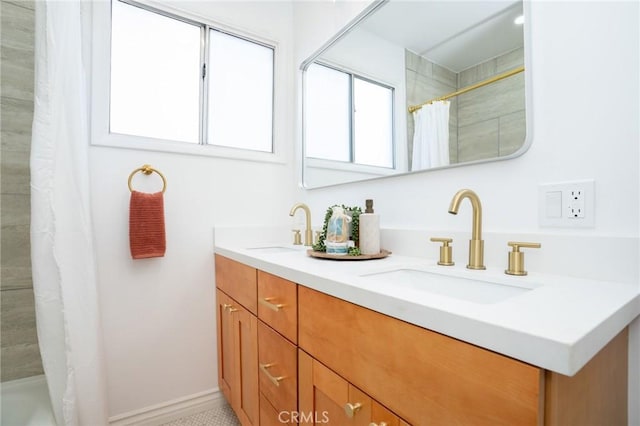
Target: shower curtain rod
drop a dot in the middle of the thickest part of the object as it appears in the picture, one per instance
(498, 77)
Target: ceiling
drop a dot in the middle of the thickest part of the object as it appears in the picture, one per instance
(454, 34)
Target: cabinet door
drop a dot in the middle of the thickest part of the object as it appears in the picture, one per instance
(324, 396)
(225, 344)
(269, 416)
(245, 395)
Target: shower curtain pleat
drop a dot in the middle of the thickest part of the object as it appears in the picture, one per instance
(64, 271)
(431, 136)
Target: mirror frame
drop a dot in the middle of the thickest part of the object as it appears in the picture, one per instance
(350, 26)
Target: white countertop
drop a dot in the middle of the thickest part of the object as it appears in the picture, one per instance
(558, 325)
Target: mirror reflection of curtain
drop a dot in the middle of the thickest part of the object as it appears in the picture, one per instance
(431, 136)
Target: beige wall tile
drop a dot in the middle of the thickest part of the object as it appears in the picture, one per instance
(15, 277)
(14, 173)
(20, 361)
(15, 209)
(17, 24)
(17, 118)
(478, 73)
(478, 141)
(20, 355)
(513, 132)
(16, 246)
(27, 4)
(511, 60)
(17, 73)
(445, 76)
(18, 318)
(492, 101)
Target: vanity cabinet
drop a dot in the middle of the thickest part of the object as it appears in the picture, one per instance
(288, 354)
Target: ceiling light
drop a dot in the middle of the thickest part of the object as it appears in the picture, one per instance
(519, 20)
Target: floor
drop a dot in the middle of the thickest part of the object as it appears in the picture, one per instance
(219, 416)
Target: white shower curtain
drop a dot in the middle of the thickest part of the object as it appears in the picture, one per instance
(431, 136)
(62, 254)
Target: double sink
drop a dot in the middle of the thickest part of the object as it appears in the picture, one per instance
(461, 285)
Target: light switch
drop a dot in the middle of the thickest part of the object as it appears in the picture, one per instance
(553, 204)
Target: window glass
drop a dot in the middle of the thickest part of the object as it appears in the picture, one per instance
(373, 144)
(155, 69)
(240, 93)
(328, 114)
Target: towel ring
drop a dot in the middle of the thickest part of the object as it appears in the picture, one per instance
(147, 170)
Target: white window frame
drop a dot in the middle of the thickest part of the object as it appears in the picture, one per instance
(101, 90)
(351, 164)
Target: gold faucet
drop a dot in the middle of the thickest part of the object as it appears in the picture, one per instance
(308, 234)
(476, 244)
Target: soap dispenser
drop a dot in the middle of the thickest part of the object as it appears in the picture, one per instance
(369, 230)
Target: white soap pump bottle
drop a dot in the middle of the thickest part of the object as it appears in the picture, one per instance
(369, 230)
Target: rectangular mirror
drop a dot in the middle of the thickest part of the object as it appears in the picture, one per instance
(413, 86)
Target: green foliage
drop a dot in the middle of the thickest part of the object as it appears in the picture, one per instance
(354, 212)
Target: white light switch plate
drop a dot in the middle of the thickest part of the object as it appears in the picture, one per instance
(567, 204)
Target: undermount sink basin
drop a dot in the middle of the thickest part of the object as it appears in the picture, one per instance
(469, 289)
(273, 249)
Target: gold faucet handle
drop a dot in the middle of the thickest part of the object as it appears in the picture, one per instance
(516, 257)
(297, 237)
(446, 251)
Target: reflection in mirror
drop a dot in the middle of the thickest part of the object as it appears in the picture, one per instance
(414, 86)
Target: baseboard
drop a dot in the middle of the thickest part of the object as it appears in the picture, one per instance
(165, 412)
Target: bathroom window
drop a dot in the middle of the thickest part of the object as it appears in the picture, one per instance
(349, 118)
(174, 79)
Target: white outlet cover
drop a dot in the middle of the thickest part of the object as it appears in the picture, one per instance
(548, 204)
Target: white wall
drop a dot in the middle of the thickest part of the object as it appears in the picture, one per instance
(585, 125)
(159, 314)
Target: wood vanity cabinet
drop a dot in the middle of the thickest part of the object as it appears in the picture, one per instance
(289, 354)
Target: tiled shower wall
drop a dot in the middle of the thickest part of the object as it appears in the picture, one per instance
(20, 355)
(485, 123)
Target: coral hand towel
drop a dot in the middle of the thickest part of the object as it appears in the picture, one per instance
(146, 225)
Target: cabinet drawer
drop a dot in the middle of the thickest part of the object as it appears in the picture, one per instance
(278, 363)
(278, 304)
(238, 281)
(423, 376)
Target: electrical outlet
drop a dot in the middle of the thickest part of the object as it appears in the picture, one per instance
(575, 203)
(567, 204)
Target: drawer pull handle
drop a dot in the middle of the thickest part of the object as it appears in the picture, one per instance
(229, 308)
(272, 379)
(351, 409)
(378, 424)
(266, 301)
